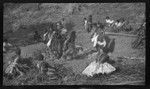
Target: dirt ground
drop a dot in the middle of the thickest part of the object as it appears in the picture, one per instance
(129, 71)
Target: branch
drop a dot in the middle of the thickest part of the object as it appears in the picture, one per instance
(128, 83)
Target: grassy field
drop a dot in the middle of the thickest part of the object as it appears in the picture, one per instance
(26, 18)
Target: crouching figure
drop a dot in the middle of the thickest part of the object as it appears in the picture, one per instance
(105, 46)
(100, 65)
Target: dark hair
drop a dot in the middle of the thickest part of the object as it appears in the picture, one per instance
(63, 19)
(117, 20)
(36, 32)
(107, 17)
(18, 51)
(5, 40)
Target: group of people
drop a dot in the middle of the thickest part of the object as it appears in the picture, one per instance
(89, 25)
(104, 47)
(60, 40)
(118, 23)
(62, 44)
(141, 36)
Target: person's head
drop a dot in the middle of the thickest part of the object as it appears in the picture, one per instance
(85, 19)
(63, 19)
(57, 23)
(5, 40)
(90, 15)
(102, 26)
(36, 32)
(73, 33)
(107, 17)
(117, 21)
(98, 24)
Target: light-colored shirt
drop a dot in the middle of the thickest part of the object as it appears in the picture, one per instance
(119, 24)
(63, 31)
(50, 39)
(95, 40)
(102, 43)
(109, 21)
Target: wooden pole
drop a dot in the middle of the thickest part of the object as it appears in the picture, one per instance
(120, 34)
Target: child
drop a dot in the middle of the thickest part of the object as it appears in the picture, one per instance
(85, 24)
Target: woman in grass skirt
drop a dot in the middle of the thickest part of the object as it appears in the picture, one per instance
(104, 46)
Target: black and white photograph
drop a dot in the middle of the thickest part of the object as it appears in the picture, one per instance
(74, 44)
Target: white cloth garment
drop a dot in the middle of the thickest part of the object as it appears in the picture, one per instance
(89, 70)
(49, 42)
(44, 36)
(85, 24)
(50, 39)
(6, 45)
(96, 68)
(109, 21)
(94, 39)
(118, 24)
(63, 31)
(102, 43)
(105, 68)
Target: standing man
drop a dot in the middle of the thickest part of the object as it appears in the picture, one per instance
(90, 23)
(63, 22)
(85, 24)
(63, 26)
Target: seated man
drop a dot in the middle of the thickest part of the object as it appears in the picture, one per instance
(109, 21)
(119, 23)
(6, 45)
(69, 45)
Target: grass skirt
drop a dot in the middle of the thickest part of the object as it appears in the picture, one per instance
(96, 68)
